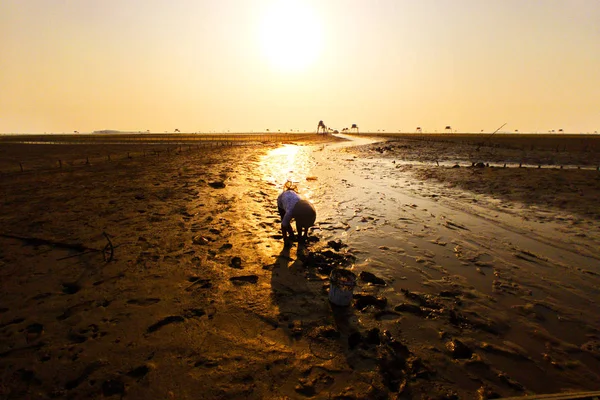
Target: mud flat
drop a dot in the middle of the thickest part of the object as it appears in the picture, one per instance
(164, 276)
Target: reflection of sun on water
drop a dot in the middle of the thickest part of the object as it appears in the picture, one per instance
(291, 35)
(284, 163)
(279, 165)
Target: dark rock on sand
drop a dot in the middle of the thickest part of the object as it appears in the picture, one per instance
(362, 301)
(373, 337)
(371, 278)
(336, 245)
(458, 349)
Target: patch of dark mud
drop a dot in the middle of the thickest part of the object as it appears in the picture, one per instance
(325, 261)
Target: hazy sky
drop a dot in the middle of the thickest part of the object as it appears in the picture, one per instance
(241, 65)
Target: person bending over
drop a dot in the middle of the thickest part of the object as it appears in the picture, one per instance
(292, 206)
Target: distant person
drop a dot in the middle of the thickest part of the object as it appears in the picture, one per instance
(292, 206)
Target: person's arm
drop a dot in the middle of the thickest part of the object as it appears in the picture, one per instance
(286, 226)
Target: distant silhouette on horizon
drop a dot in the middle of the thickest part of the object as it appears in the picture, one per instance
(322, 126)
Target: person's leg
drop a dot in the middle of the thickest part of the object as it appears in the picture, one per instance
(299, 229)
(286, 227)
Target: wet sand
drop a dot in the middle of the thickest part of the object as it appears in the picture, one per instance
(488, 289)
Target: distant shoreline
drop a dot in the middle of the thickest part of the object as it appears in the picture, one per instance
(377, 134)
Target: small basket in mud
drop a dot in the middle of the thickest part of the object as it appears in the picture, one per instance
(342, 283)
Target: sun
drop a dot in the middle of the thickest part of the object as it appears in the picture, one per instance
(291, 35)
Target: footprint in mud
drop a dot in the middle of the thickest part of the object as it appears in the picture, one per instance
(75, 309)
(33, 332)
(70, 288)
(110, 279)
(165, 321)
(139, 372)
(143, 302)
(87, 371)
(12, 322)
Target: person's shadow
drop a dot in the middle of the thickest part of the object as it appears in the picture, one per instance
(300, 292)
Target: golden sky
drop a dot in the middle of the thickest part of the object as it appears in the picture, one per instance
(251, 65)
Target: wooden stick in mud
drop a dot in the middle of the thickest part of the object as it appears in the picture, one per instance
(109, 250)
(493, 133)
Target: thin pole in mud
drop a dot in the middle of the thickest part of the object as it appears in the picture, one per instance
(488, 138)
(21, 165)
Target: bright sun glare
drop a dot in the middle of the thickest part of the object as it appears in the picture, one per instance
(291, 35)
